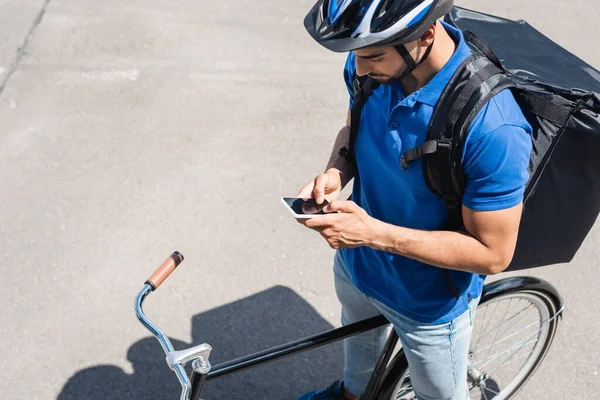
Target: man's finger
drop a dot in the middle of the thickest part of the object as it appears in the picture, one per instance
(306, 192)
(321, 182)
(341, 206)
(318, 223)
(301, 221)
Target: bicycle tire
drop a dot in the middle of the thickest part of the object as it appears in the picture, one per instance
(396, 384)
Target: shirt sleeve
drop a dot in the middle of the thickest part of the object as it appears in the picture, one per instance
(496, 171)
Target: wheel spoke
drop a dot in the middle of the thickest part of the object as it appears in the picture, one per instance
(481, 329)
(519, 346)
(514, 321)
(496, 336)
(486, 325)
(484, 395)
(513, 336)
(509, 362)
(403, 391)
(512, 317)
(517, 332)
(486, 389)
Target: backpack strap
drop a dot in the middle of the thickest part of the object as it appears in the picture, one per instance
(476, 81)
(438, 140)
(544, 108)
(488, 89)
(483, 47)
(363, 87)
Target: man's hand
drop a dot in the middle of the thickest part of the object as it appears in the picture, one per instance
(345, 226)
(325, 186)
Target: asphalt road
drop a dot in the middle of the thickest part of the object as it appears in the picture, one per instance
(132, 129)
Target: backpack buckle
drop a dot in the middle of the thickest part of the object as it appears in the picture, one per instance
(444, 145)
(345, 154)
(403, 163)
(356, 86)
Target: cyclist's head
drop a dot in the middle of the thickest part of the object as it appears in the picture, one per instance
(346, 25)
(366, 26)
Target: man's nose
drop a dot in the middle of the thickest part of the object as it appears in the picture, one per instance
(362, 67)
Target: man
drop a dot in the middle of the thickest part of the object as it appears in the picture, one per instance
(393, 249)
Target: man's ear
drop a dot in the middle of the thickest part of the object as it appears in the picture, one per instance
(428, 36)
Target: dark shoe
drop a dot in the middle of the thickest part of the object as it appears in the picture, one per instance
(333, 392)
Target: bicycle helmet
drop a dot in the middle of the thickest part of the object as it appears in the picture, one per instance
(345, 25)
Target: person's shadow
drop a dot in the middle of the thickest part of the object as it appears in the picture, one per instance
(270, 318)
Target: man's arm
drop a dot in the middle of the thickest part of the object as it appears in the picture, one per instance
(338, 163)
(338, 173)
(495, 164)
(492, 208)
(487, 247)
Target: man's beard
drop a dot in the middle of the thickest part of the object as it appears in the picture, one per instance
(387, 79)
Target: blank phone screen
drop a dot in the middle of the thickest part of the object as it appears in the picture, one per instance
(305, 206)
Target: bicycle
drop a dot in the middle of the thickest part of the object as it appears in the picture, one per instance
(538, 305)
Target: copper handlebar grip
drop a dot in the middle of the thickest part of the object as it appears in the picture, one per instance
(163, 272)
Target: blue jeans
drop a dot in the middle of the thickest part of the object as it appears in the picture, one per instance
(437, 354)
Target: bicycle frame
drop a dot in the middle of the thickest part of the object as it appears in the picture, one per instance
(202, 371)
(199, 355)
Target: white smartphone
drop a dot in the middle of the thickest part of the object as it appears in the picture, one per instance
(303, 208)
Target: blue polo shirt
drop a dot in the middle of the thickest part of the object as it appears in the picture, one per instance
(495, 160)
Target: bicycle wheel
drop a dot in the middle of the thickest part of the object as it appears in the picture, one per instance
(511, 335)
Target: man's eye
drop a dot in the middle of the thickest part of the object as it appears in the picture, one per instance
(376, 60)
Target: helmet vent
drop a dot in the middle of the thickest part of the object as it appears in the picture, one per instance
(352, 16)
(394, 10)
(382, 9)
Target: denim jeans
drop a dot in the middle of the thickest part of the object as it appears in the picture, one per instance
(437, 354)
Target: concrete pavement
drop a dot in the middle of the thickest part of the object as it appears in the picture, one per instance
(131, 129)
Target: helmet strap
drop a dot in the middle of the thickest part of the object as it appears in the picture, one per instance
(411, 65)
(410, 62)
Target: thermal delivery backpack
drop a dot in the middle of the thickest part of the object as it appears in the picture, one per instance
(558, 94)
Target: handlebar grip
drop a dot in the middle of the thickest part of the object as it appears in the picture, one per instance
(163, 272)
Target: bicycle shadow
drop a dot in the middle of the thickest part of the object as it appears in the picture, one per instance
(269, 318)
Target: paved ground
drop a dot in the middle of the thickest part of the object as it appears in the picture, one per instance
(131, 129)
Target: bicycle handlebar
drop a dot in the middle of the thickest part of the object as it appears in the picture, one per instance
(163, 272)
(175, 359)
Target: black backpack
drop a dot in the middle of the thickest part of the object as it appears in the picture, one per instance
(562, 197)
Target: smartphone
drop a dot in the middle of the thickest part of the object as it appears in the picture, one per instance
(304, 208)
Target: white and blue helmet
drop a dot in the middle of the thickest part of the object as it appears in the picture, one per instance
(346, 25)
